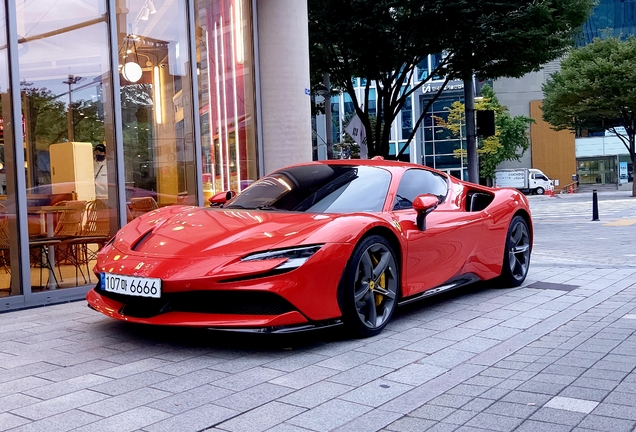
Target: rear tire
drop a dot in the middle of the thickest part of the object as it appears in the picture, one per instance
(517, 251)
(370, 287)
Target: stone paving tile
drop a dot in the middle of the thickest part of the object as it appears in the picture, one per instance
(65, 387)
(194, 398)
(360, 375)
(9, 421)
(15, 401)
(494, 422)
(558, 416)
(370, 422)
(397, 359)
(316, 394)
(179, 366)
(190, 380)
(432, 412)
(59, 404)
(128, 421)
(537, 426)
(384, 346)
(608, 424)
(429, 345)
(346, 361)
(447, 358)
(616, 397)
(303, 377)
(585, 393)
(412, 424)
(415, 374)
(330, 415)
(124, 402)
(69, 420)
(376, 392)
(194, 420)
(32, 369)
(248, 378)
(253, 397)
(130, 383)
(295, 362)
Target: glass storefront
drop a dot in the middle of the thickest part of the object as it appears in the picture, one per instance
(226, 94)
(598, 170)
(126, 106)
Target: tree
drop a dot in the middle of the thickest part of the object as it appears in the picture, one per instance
(511, 133)
(384, 41)
(595, 90)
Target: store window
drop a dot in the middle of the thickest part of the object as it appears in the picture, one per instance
(9, 282)
(156, 96)
(68, 145)
(225, 65)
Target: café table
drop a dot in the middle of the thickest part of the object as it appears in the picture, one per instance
(47, 229)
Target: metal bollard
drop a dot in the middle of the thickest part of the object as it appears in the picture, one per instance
(595, 205)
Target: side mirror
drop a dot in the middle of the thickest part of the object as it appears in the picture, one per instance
(423, 205)
(221, 198)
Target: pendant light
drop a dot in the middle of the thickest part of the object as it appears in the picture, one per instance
(131, 71)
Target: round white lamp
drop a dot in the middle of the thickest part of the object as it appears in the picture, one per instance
(131, 72)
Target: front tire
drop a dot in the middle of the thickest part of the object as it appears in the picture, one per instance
(370, 287)
(539, 191)
(516, 254)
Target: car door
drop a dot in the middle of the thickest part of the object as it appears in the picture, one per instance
(438, 253)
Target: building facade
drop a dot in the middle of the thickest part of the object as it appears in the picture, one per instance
(112, 108)
(433, 144)
(597, 157)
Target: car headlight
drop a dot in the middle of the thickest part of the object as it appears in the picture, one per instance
(296, 256)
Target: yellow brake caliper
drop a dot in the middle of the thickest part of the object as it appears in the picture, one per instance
(381, 282)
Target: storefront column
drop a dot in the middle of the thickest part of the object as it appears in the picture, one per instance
(283, 34)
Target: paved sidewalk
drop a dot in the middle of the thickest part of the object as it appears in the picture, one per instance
(557, 354)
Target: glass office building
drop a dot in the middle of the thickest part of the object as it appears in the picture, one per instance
(111, 109)
(615, 18)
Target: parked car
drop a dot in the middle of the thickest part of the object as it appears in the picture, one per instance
(314, 245)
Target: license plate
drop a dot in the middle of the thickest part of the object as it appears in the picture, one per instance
(131, 285)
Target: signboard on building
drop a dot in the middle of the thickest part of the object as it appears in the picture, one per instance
(622, 172)
(451, 86)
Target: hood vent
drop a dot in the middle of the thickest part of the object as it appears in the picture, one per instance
(139, 241)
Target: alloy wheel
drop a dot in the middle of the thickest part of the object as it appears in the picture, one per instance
(375, 286)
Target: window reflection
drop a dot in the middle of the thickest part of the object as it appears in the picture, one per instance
(226, 94)
(64, 76)
(156, 95)
(8, 226)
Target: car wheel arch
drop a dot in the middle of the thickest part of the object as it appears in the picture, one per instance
(526, 216)
(395, 244)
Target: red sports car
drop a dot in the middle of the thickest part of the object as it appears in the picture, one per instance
(312, 245)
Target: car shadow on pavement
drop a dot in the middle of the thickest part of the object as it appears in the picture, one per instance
(188, 338)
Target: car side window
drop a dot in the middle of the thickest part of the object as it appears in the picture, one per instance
(416, 182)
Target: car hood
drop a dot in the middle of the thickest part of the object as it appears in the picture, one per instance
(199, 232)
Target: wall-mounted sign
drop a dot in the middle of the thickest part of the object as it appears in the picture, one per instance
(451, 86)
(622, 172)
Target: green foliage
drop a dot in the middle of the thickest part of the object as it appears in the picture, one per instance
(496, 39)
(511, 133)
(596, 90)
(384, 40)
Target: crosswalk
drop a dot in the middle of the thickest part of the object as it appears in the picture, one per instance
(581, 210)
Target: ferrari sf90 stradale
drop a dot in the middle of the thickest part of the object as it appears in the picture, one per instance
(313, 245)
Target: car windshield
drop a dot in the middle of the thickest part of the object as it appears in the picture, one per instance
(318, 189)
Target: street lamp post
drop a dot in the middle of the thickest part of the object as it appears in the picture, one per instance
(72, 79)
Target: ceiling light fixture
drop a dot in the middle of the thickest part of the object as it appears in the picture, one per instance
(151, 7)
(131, 71)
(145, 13)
